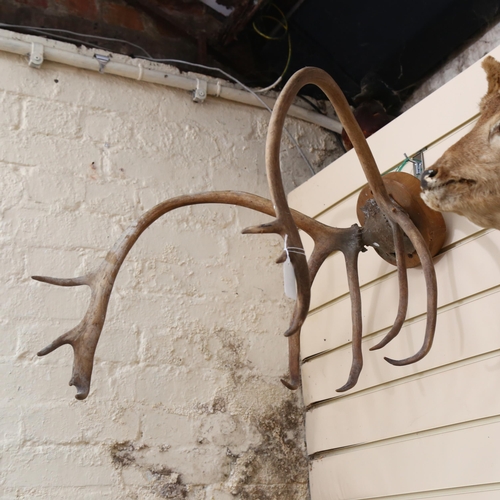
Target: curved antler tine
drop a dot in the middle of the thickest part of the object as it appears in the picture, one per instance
(83, 360)
(351, 259)
(283, 213)
(268, 227)
(85, 336)
(388, 207)
(326, 240)
(403, 288)
(81, 280)
(431, 286)
(293, 362)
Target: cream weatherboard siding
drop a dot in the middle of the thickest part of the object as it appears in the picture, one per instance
(428, 430)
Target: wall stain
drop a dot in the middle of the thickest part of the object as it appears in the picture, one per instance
(167, 483)
(277, 468)
(122, 454)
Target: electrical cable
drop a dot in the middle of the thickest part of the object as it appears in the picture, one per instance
(54, 32)
(174, 61)
(248, 89)
(284, 24)
(312, 104)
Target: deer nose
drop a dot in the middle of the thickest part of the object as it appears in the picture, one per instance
(427, 174)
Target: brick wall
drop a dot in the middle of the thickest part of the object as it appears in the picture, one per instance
(108, 18)
(186, 400)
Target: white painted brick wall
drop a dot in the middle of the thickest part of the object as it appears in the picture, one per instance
(186, 400)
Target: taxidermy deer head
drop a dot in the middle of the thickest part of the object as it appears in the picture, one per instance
(382, 213)
(466, 179)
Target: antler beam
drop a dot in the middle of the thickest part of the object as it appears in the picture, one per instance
(85, 336)
(350, 241)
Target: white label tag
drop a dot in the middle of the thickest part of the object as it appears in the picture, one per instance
(289, 279)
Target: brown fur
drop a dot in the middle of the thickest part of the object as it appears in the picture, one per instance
(466, 179)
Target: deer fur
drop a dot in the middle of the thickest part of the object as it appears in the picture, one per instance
(466, 179)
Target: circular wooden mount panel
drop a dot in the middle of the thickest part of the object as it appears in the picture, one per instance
(405, 190)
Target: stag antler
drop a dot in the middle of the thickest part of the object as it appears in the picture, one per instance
(394, 213)
(350, 241)
(84, 337)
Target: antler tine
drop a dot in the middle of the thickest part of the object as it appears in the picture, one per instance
(293, 362)
(393, 211)
(326, 240)
(349, 242)
(351, 259)
(85, 336)
(403, 288)
(81, 280)
(431, 287)
(284, 223)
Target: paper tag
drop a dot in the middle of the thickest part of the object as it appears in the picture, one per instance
(289, 279)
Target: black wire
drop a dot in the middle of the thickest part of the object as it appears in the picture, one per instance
(53, 32)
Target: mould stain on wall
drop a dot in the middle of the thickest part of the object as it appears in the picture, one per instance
(274, 467)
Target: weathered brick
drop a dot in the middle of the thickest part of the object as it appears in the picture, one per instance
(64, 119)
(63, 191)
(177, 386)
(202, 464)
(99, 198)
(60, 155)
(10, 106)
(13, 186)
(43, 4)
(49, 424)
(36, 381)
(45, 301)
(46, 261)
(33, 336)
(167, 430)
(60, 493)
(120, 342)
(122, 15)
(86, 9)
(134, 476)
(63, 230)
(74, 421)
(109, 128)
(44, 466)
(10, 425)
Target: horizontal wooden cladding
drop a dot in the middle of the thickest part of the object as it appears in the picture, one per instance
(470, 493)
(464, 332)
(408, 134)
(431, 401)
(470, 268)
(460, 457)
(331, 281)
(427, 430)
(480, 492)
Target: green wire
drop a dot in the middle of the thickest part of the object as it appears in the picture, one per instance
(284, 24)
(399, 167)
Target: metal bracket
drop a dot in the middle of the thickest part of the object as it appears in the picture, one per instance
(36, 55)
(418, 164)
(102, 60)
(200, 93)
